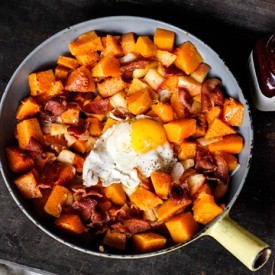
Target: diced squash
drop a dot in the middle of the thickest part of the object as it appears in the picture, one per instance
(109, 123)
(80, 80)
(61, 73)
(165, 57)
(201, 126)
(70, 224)
(96, 126)
(80, 146)
(27, 108)
(201, 72)
(87, 36)
(71, 115)
(164, 111)
(136, 85)
(205, 189)
(111, 86)
(188, 58)
(233, 112)
(128, 43)
(218, 128)
(144, 199)
(187, 150)
(68, 62)
(146, 47)
(154, 79)
(171, 83)
(232, 144)
(26, 129)
(27, 185)
(66, 173)
(139, 102)
(231, 160)
(88, 59)
(170, 208)
(148, 242)
(115, 239)
(180, 129)
(213, 113)
(112, 46)
(56, 199)
(190, 84)
(182, 227)
(17, 160)
(107, 66)
(115, 193)
(161, 182)
(205, 209)
(78, 161)
(197, 98)
(195, 108)
(180, 110)
(164, 39)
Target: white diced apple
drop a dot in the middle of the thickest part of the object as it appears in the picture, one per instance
(139, 73)
(69, 138)
(165, 57)
(195, 182)
(190, 84)
(188, 163)
(129, 57)
(66, 156)
(196, 108)
(90, 143)
(58, 129)
(154, 79)
(201, 72)
(119, 100)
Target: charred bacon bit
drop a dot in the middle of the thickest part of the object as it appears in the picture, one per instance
(50, 140)
(96, 107)
(34, 149)
(222, 169)
(179, 193)
(56, 106)
(133, 65)
(85, 192)
(144, 182)
(99, 217)
(171, 71)
(79, 131)
(45, 116)
(205, 162)
(185, 98)
(118, 215)
(131, 226)
(211, 94)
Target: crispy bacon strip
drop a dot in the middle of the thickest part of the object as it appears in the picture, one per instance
(34, 149)
(133, 65)
(96, 107)
(205, 162)
(56, 106)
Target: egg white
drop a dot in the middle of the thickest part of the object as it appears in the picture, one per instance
(113, 160)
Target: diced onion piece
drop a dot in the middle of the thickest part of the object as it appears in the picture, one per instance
(128, 58)
(187, 163)
(70, 139)
(165, 95)
(206, 141)
(66, 156)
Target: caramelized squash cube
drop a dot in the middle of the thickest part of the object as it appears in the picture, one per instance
(88, 59)
(115, 193)
(145, 199)
(187, 150)
(232, 144)
(164, 39)
(68, 62)
(233, 112)
(182, 227)
(96, 126)
(188, 57)
(17, 160)
(146, 47)
(180, 129)
(26, 129)
(231, 160)
(61, 73)
(148, 242)
(70, 224)
(218, 128)
(180, 110)
(162, 183)
(164, 111)
(115, 239)
(27, 108)
(113, 46)
(56, 199)
(71, 115)
(27, 185)
(111, 86)
(215, 112)
(128, 43)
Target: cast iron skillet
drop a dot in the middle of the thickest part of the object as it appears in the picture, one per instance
(247, 248)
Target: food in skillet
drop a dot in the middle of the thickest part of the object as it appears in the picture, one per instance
(127, 141)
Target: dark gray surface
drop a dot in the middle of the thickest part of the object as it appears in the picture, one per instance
(231, 29)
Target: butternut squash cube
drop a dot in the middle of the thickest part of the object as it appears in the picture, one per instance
(187, 150)
(233, 112)
(56, 199)
(144, 199)
(180, 129)
(68, 62)
(26, 129)
(161, 182)
(113, 46)
(17, 160)
(27, 108)
(170, 208)
(146, 47)
(107, 66)
(179, 109)
(115, 193)
(80, 80)
(205, 209)
(88, 59)
(115, 239)
(171, 83)
(70, 224)
(128, 43)
(71, 115)
(148, 242)
(231, 160)
(216, 111)
(139, 102)
(232, 144)
(190, 84)
(96, 126)
(111, 86)
(164, 111)
(218, 128)
(182, 227)
(61, 73)
(87, 36)
(27, 185)
(164, 39)
(136, 85)
(188, 58)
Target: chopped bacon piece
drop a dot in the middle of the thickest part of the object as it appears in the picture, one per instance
(179, 193)
(118, 215)
(96, 107)
(56, 106)
(99, 217)
(34, 149)
(85, 192)
(54, 140)
(79, 131)
(133, 65)
(185, 98)
(46, 116)
(205, 162)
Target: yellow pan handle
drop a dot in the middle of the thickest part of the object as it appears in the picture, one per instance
(250, 250)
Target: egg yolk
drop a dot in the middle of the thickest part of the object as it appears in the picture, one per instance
(147, 134)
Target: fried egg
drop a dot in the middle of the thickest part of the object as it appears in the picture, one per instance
(125, 147)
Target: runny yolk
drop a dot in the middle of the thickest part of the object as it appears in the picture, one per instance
(147, 134)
